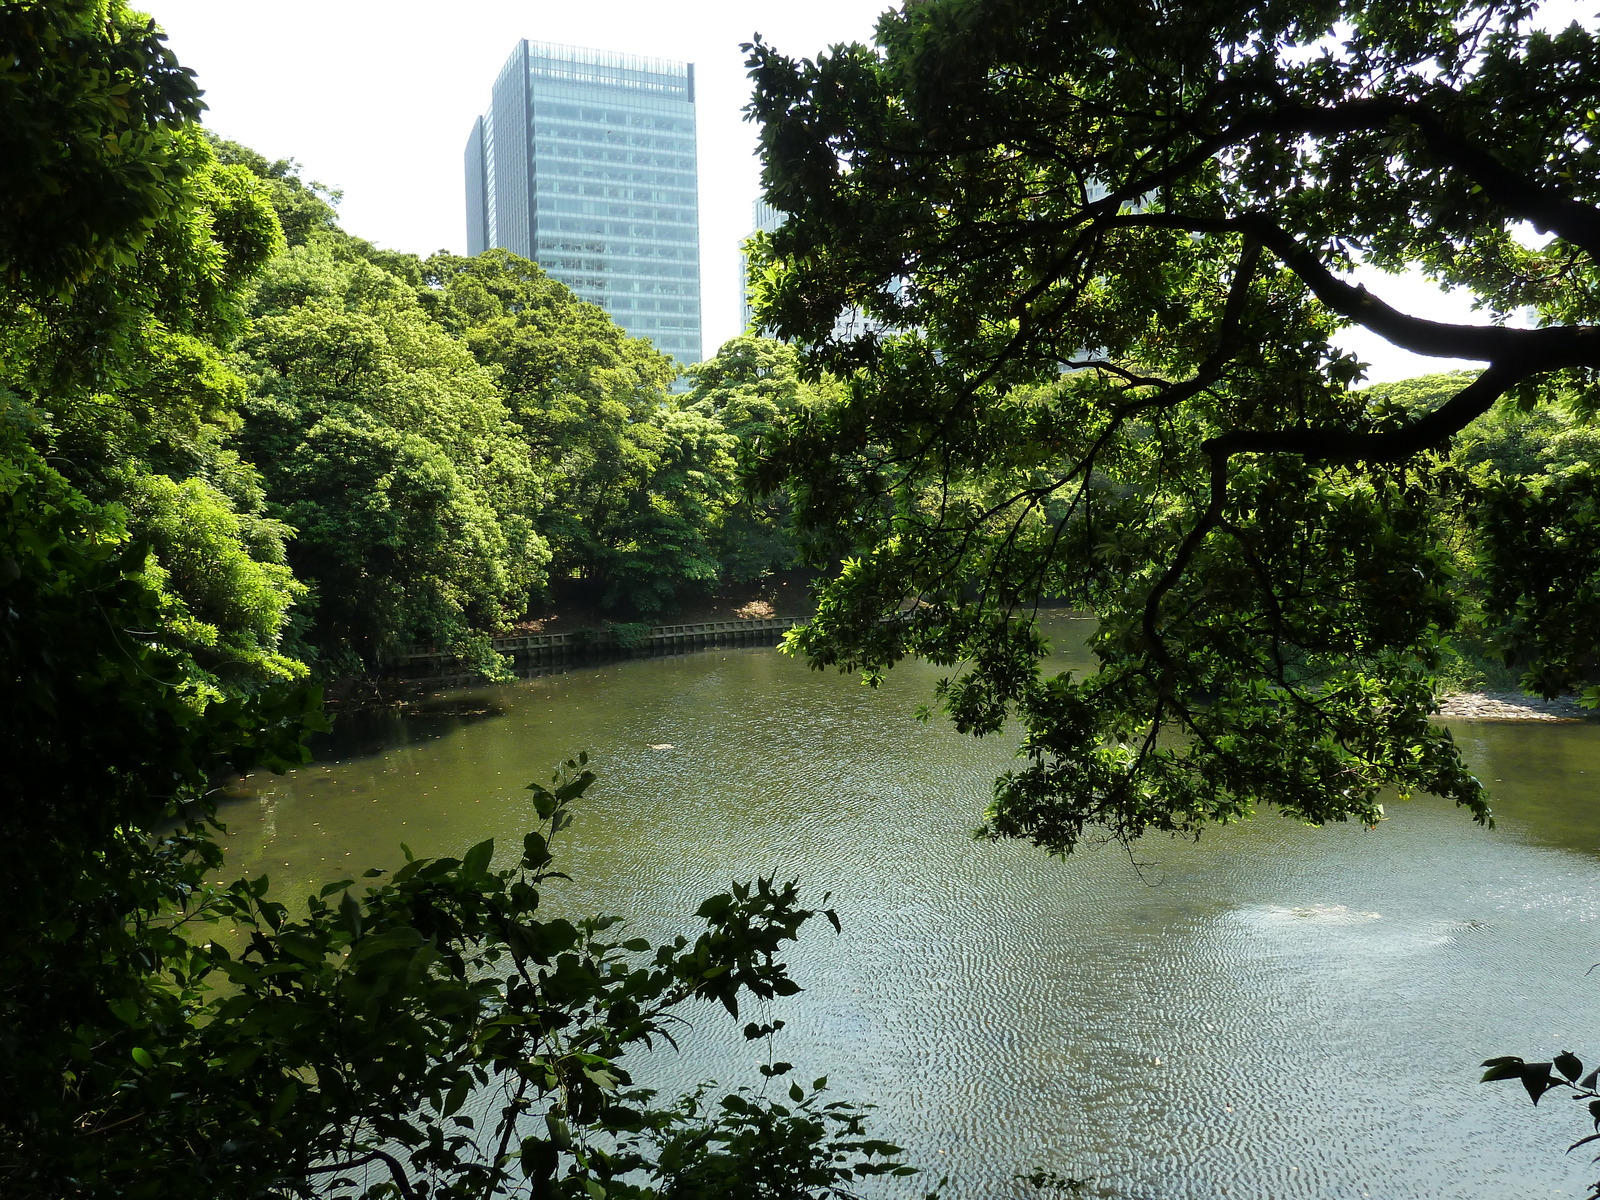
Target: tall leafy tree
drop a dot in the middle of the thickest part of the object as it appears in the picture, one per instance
(390, 451)
(563, 363)
(1110, 244)
(635, 481)
(752, 386)
(139, 615)
(125, 247)
(659, 541)
(304, 207)
(1105, 247)
(587, 397)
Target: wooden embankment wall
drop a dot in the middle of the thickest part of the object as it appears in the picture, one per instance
(534, 648)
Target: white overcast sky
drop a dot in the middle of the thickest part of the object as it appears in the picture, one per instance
(376, 98)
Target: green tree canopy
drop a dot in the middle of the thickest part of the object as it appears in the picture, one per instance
(303, 207)
(588, 398)
(563, 363)
(1106, 247)
(752, 386)
(128, 357)
(127, 246)
(390, 451)
(93, 100)
(139, 1056)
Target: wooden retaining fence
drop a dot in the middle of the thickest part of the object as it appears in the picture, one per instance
(614, 643)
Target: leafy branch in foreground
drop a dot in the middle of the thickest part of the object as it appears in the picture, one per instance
(442, 1020)
(433, 1034)
(1563, 1073)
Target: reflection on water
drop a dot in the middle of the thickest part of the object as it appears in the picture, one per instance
(1275, 1011)
(1321, 914)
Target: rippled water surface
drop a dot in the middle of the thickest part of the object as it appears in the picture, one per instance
(1273, 1012)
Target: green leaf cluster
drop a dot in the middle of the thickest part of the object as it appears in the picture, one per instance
(112, 734)
(93, 99)
(391, 453)
(127, 251)
(437, 1025)
(165, 1034)
(1102, 253)
(1565, 1074)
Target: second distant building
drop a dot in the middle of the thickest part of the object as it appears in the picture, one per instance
(585, 163)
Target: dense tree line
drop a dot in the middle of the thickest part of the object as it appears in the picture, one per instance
(237, 446)
(1525, 471)
(333, 451)
(446, 436)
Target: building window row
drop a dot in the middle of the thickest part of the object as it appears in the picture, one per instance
(628, 304)
(558, 156)
(550, 93)
(618, 229)
(625, 290)
(644, 81)
(613, 137)
(628, 259)
(688, 326)
(616, 118)
(684, 281)
(634, 195)
(626, 212)
(622, 285)
(573, 169)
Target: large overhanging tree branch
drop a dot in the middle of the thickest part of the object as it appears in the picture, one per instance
(1105, 248)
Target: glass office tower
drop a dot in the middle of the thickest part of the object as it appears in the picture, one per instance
(585, 163)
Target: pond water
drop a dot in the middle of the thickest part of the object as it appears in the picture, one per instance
(1274, 1011)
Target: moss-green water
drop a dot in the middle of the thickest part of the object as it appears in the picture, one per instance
(1274, 1012)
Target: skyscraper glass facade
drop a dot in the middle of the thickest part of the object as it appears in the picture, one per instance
(585, 163)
